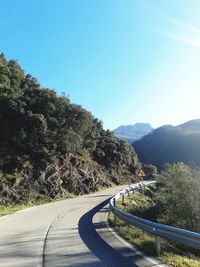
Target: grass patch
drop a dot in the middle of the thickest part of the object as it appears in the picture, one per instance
(179, 261)
(138, 204)
(9, 209)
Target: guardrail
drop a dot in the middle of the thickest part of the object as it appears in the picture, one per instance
(185, 237)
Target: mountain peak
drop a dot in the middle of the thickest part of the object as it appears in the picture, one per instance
(131, 133)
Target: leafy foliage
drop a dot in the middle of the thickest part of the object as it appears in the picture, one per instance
(178, 197)
(42, 133)
(174, 202)
(150, 170)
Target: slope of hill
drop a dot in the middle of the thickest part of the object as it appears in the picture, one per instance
(169, 144)
(50, 147)
(131, 133)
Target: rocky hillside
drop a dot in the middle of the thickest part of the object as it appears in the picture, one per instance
(131, 133)
(169, 144)
(50, 147)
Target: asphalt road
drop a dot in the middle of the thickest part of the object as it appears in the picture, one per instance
(66, 233)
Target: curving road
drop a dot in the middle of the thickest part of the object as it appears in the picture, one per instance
(66, 233)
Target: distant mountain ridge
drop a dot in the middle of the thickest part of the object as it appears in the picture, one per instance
(131, 133)
(169, 144)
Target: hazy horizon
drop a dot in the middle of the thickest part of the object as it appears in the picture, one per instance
(157, 125)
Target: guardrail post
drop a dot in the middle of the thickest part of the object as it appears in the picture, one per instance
(123, 198)
(142, 187)
(158, 245)
(114, 204)
(128, 193)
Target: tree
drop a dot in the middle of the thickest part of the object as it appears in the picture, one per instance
(4, 73)
(150, 170)
(49, 143)
(178, 197)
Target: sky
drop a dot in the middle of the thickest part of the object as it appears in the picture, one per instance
(126, 61)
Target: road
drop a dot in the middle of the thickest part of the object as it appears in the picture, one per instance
(65, 233)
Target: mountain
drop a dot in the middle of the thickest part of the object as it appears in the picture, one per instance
(131, 133)
(169, 144)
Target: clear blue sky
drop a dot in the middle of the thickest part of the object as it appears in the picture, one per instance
(126, 61)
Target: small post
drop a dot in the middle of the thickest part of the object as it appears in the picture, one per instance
(114, 204)
(143, 188)
(158, 245)
(142, 184)
(123, 198)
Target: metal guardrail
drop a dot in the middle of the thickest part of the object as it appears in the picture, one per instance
(185, 237)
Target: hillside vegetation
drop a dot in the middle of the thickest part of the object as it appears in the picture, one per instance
(170, 144)
(177, 197)
(50, 147)
(174, 202)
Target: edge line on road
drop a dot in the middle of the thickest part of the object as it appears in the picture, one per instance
(129, 245)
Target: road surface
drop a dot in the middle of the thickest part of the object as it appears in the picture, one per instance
(66, 233)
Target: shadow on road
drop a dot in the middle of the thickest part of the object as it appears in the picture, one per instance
(108, 256)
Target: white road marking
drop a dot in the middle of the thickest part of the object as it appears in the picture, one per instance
(133, 248)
